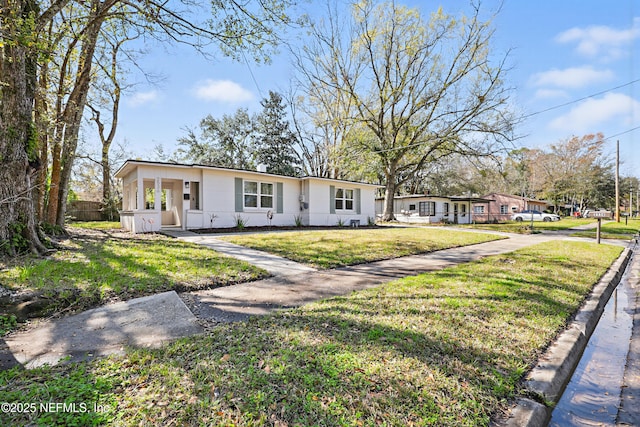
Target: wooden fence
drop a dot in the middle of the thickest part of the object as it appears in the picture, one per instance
(85, 210)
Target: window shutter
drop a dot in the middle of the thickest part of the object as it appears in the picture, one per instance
(332, 199)
(239, 195)
(357, 200)
(279, 198)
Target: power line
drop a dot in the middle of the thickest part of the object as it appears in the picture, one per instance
(579, 99)
(622, 133)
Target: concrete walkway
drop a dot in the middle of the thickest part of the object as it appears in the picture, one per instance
(153, 320)
(274, 264)
(254, 298)
(144, 322)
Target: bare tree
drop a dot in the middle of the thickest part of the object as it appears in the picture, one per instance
(416, 90)
(30, 36)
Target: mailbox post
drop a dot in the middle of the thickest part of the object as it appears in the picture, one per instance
(599, 215)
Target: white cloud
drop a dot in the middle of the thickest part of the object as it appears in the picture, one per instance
(142, 98)
(551, 94)
(222, 91)
(592, 113)
(602, 41)
(574, 77)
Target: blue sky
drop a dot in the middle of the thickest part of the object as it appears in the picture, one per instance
(561, 51)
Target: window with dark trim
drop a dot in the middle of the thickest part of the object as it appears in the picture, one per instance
(427, 208)
(258, 194)
(344, 199)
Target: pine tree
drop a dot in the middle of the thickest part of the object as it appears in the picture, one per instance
(275, 141)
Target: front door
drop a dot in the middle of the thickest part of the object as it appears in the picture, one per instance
(455, 213)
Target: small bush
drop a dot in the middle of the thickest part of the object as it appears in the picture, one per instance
(241, 222)
(7, 323)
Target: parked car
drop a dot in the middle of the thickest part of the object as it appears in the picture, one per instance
(537, 216)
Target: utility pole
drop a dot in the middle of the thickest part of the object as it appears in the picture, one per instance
(617, 211)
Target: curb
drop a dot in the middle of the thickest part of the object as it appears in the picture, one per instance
(548, 379)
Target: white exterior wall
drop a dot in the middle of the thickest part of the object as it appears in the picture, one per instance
(221, 203)
(219, 200)
(404, 213)
(319, 199)
(135, 217)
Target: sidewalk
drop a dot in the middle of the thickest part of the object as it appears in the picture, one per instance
(274, 264)
(151, 321)
(238, 302)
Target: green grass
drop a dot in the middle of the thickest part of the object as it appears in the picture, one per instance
(443, 348)
(96, 268)
(525, 226)
(96, 225)
(614, 230)
(336, 248)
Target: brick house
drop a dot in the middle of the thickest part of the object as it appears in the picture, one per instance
(502, 206)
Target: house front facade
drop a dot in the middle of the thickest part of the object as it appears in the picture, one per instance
(502, 206)
(426, 209)
(159, 195)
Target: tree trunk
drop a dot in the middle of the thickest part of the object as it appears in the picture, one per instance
(389, 196)
(72, 116)
(18, 146)
(42, 119)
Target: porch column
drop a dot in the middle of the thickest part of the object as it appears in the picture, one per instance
(140, 193)
(157, 200)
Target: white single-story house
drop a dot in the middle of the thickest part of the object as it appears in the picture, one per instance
(428, 209)
(158, 195)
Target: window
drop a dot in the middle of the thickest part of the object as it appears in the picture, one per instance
(478, 209)
(412, 207)
(344, 199)
(446, 209)
(427, 208)
(258, 195)
(195, 195)
(504, 209)
(463, 210)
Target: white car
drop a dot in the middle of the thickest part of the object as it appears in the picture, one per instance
(537, 216)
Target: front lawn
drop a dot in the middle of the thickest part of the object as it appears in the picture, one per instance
(97, 267)
(524, 227)
(614, 230)
(336, 248)
(96, 225)
(443, 348)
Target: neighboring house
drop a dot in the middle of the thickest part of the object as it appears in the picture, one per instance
(161, 195)
(421, 208)
(502, 206)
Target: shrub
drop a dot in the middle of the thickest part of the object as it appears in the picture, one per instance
(241, 222)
